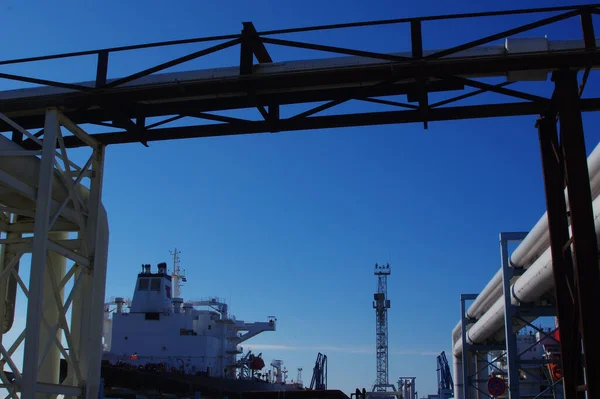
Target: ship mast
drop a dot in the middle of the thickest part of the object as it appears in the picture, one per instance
(177, 276)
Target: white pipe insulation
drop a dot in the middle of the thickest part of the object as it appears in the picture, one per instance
(530, 249)
(534, 283)
(534, 255)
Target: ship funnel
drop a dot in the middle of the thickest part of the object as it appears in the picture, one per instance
(162, 268)
(187, 308)
(147, 269)
(120, 302)
(177, 304)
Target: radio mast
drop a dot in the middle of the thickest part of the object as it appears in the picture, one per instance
(177, 277)
(381, 304)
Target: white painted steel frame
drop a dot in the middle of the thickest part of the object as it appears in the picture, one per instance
(79, 211)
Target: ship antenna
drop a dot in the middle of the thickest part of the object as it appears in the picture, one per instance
(177, 276)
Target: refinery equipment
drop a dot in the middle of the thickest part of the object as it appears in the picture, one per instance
(407, 387)
(381, 305)
(299, 383)
(531, 291)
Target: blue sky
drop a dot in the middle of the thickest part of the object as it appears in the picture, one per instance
(291, 224)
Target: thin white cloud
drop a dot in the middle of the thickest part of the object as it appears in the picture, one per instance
(341, 349)
(414, 352)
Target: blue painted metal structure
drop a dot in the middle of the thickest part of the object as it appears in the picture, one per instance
(445, 381)
(319, 378)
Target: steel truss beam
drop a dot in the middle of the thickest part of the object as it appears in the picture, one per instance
(52, 207)
(108, 102)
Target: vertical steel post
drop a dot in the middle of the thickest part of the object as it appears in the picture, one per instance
(102, 69)
(246, 50)
(482, 368)
(93, 234)
(48, 371)
(585, 248)
(512, 352)
(8, 286)
(38, 256)
(562, 262)
(465, 344)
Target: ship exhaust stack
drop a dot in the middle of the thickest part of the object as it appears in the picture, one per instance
(162, 268)
(177, 305)
(187, 308)
(120, 302)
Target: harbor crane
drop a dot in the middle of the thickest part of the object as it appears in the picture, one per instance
(319, 378)
(445, 382)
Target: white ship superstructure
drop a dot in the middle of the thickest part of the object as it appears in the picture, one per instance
(196, 338)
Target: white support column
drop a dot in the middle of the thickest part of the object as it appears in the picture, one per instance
(8, 286)
(97, 243)
(482, 375)
(457, 365)
(38, 257)
(50, 194)
(55, 271)
(80, 324)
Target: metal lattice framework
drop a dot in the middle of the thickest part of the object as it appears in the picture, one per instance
(124, 110)
(381, 304)
(33, 222)
(417, 74)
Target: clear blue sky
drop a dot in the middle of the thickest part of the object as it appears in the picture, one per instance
(291, 224)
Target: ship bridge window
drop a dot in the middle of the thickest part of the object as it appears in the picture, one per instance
(155, 284)
(143, 284)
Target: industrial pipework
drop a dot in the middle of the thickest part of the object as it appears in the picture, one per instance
(532, 255)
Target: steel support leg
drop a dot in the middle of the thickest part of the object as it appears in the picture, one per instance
(95, 233)
(585, 248)
(8, 286)
(38, 257)
(482, 375)
(466, 370)
(56, 213)
(512, 352)
(562, 262)
(55, 271)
